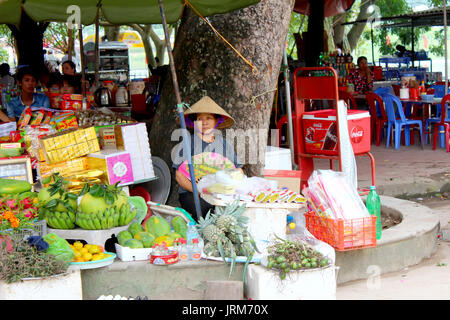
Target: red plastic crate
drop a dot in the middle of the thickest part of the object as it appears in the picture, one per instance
(343, 235)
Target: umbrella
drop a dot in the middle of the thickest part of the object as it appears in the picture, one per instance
(131, 11)
(332, 7)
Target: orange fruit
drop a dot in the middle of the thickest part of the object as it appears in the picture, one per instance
(79, 259)
(87, 256)
(83, 250)
(94, 249)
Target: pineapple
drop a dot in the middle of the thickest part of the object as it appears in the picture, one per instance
(210, 249)
(212, 233)
(230, 217)
(208, 230)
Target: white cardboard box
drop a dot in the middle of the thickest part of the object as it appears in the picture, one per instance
(315, 284)
(278, 158)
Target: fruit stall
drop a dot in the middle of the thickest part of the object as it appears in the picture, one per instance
(66, 198)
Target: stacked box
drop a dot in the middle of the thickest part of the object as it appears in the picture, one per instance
(133, 138)
(65, 168)
(116, 165)
(69, 145)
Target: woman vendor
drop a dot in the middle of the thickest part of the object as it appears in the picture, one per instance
(210, 151)
(27, 80)
(362, 78)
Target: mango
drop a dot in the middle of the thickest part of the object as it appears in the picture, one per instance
(146, 238)
(123, 236)
(134, 244)
(158, 226)
(135, 228)
(166, 239)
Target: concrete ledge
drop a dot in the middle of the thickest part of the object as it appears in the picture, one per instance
(140, 278)
(403, 245)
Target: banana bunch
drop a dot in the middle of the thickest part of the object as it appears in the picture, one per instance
(60, 220)
(110, 218)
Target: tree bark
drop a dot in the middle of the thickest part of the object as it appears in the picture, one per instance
(29, 36)
(357, 29)
(112, 33)
(206, 65)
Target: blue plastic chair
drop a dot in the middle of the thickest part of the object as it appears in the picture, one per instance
(431, 120)
(397, 123)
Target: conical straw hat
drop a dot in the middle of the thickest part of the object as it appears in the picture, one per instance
(207, 105)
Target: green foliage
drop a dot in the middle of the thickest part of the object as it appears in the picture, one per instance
(26, 262)
(298, 24)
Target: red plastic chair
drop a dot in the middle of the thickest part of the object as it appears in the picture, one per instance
(444, 121)
(378, 123)
(396, 88)
(348, 99)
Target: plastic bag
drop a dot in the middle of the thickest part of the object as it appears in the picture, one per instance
(59, 247)
(329, 194)
(141, 206)
(303, 235)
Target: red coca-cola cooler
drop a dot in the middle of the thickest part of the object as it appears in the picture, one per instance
(320, 131)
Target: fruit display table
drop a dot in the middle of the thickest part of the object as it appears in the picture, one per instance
(90, 236)
(265, 219)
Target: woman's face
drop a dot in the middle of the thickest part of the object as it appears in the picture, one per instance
(205, 122)
(67, 69)
(28, 83)
(362, 64)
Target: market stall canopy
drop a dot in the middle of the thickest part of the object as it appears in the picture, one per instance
(114, 11)
(332, 7)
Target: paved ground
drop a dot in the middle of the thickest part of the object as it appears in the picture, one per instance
(429, 280)
(408, 170)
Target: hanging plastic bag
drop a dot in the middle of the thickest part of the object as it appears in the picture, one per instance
(59, 247)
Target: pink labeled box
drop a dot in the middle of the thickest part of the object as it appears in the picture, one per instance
(116, 165)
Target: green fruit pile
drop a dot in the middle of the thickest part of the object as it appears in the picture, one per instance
(110, 218)
(103, 207)
(156, 230)
(56, 205)
(60, 220)
(287, 255)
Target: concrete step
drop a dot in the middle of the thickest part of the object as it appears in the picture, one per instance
(445, 230)
(180, 281)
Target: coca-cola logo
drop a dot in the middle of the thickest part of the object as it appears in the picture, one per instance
(357, 134)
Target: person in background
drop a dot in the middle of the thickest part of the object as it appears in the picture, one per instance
(5, 77)
(68, 68)
(362, 77)
(26, 80)
(70, 85)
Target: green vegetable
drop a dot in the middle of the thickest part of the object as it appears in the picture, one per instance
(13, 186)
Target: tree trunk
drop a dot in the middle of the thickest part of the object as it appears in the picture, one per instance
(357, 29)
(315, 35)
(206, 65)
(29, 37)
(112, 33)
(339, 30)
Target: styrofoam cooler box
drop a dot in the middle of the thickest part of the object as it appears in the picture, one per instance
(320, 131)
(129, 254)
(314, 284)
(278, 158)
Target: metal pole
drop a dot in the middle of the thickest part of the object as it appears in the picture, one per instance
(445, 46)
(97, 31)
(371, 40)
(83, 71)
(180, 112)
(288, 104)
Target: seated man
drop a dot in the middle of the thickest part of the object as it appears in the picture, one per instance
(26, 80)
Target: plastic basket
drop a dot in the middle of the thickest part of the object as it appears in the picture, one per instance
(341, 234)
